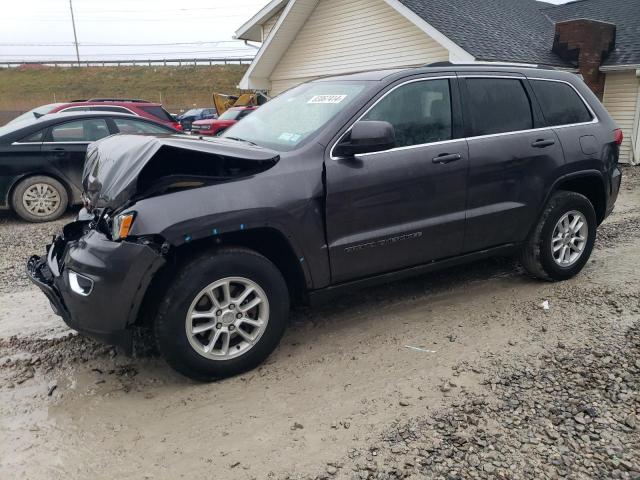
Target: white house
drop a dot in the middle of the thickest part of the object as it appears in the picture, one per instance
(306, 39)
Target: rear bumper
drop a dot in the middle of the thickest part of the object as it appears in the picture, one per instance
(118, 273)
(616, 180)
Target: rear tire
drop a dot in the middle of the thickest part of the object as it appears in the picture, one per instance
(207, 297)
(39, 199)
(563, 239)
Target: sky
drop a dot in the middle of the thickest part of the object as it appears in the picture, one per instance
(32, 30)
(123, 29)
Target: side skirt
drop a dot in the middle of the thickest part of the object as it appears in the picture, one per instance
(324, 295)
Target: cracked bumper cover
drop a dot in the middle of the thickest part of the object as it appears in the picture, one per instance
(120, 273)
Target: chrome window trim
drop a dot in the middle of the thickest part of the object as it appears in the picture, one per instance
(51, 143)
(89, 107)
(415, 80)
(408, 147)
(397, 149)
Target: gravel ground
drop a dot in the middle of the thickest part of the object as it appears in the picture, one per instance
(456, 375)
(568, 413)
(18, 241)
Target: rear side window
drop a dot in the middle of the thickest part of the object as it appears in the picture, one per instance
(158, 112)
(420, 112)
(131, 126)
(560, 103)
(75, 109)
(498, 105)
(34, 137)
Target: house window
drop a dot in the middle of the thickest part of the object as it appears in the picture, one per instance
(560, 103)
(420, 112)
(498, 105)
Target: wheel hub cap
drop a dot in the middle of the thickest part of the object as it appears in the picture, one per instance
(41, 199)
(227, 318)
(569, 238)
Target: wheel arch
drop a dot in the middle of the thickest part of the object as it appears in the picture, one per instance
(267, 241)
(19, 179)
(590, 184)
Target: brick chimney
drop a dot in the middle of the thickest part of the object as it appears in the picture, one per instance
(586, 43)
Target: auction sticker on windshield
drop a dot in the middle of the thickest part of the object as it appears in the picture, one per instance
(327, 99)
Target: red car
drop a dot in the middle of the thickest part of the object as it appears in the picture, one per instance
(141, 108)
(214, 127)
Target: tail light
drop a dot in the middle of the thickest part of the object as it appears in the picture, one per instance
(177, 126)
(618, 136)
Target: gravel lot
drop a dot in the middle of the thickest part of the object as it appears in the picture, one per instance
(459, 375)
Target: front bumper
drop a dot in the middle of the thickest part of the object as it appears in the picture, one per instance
(119, 274)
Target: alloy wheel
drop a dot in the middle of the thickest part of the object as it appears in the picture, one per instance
(569, 238)
(227, 318)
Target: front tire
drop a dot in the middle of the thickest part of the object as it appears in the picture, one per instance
(563, 239)
(39, 199)
(223, 314)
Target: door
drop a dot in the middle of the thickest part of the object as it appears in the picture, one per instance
(511, 157)
(66, 146)
(405, 206)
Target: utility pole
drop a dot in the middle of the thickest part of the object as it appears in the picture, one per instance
(75, 35)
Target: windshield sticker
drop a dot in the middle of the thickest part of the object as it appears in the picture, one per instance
(290, 137)
(327, 99)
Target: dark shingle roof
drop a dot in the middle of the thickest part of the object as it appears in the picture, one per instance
(625, 14)
(497, 30)
(523, 30)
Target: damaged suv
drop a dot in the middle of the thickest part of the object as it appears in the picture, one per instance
(336, 184)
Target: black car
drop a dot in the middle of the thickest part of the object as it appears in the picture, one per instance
(41, 160)
(337, 184)
(195, 114)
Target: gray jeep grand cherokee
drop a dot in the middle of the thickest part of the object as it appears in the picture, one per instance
(335, 184)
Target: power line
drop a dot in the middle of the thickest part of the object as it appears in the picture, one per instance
(60, 17)
(94, 44)
(136, 53)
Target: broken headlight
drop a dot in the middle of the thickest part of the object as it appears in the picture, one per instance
(121, 225)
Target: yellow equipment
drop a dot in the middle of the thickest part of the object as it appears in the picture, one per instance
(225, 102)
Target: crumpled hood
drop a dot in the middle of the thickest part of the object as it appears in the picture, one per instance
(121, 167)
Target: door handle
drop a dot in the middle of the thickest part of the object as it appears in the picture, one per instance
(59, 151)
(447, 158)
(542, 143)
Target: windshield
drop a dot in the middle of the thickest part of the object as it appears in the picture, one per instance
(286, 121)
(35, 113)
(192, 112)
(230, 115)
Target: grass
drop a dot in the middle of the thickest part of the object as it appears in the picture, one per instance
(176, 87)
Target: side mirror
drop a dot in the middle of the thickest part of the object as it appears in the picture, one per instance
(366, 137)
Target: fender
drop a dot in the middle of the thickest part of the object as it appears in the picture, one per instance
(591, 173)
(215, 213)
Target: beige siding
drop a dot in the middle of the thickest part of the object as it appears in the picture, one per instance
(269, 24)
(621, 100)
(343, 36)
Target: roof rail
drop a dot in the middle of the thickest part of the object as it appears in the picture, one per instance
(449, 64)
(132, 100)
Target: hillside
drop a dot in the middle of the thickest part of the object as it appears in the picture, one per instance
(176, 87)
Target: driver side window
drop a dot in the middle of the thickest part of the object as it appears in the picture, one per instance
(420, 112)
